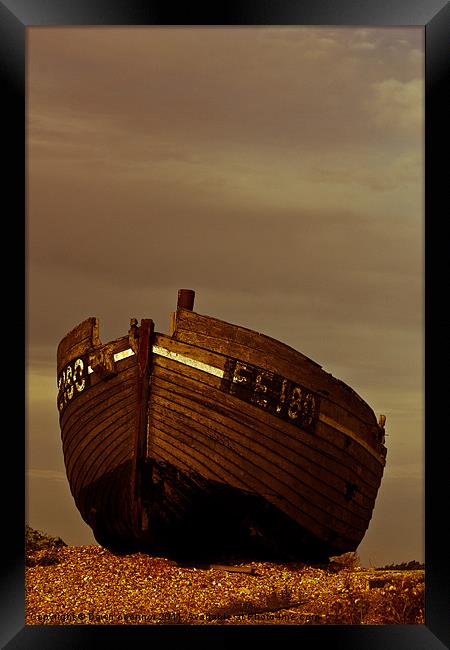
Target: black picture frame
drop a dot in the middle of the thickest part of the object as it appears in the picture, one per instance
(16, 16)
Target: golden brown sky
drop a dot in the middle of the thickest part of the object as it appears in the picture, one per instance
(277, 171)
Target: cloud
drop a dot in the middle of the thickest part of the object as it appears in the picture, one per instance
(413, 471)
(211, 87)
(46, 475)
(41, 381)
(364, 45)
(416, 58)
(398, 105)
(377, 173)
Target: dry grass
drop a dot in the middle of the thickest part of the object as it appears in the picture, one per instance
(90, 585)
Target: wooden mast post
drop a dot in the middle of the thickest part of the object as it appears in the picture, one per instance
(185, 301)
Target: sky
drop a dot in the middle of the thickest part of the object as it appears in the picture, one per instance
(278, 171)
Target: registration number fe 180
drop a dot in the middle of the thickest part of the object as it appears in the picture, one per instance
(272, 392)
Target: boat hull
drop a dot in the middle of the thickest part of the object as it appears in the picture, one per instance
(217, 441)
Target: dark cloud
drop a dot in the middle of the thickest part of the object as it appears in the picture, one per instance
(211, 86)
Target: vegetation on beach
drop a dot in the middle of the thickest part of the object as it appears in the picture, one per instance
(41, 549)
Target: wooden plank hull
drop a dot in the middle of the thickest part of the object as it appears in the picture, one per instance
(102, 400)
(215, 440)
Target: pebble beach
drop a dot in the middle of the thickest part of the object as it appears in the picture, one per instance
(89, 585)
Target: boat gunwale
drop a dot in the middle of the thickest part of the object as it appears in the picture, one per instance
(122, 343)
(379, 455)
(98, 345)
(288, 348)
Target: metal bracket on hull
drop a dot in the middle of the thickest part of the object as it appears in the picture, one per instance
(102, 363)
(133, 335)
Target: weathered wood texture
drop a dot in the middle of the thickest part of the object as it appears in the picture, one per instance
(216, 335)
(325, 481)
(97, 435)
(103, 426)
(143, 352)
(167, 437)
(78, 341)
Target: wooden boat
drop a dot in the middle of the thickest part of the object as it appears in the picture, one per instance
(214, 441)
